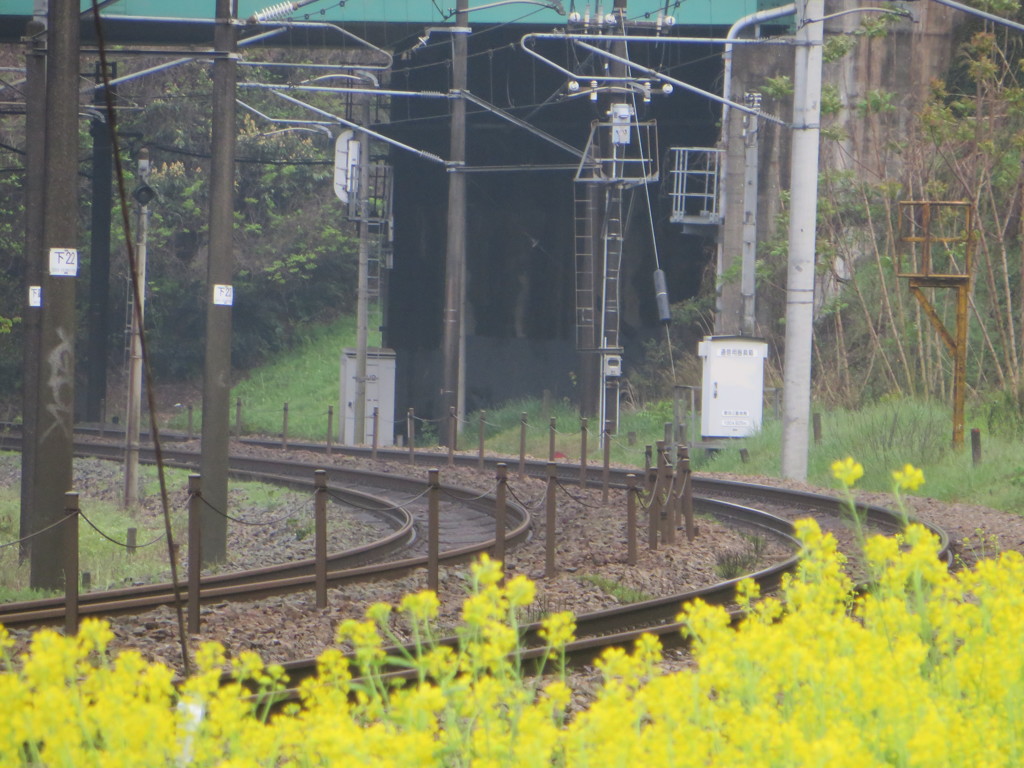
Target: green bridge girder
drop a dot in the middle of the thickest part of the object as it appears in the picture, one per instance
(690, 13)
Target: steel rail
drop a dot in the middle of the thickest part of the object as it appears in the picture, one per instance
(798, 502)
(823, 507)
(623, 626)
(616, 626)
(809, 503)
(343, 568)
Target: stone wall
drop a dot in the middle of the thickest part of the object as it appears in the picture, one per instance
(903, 62)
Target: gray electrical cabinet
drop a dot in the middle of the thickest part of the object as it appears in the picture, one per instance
(732, 391)
(380, 394)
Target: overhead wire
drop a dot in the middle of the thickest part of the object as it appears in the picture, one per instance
(650, 213)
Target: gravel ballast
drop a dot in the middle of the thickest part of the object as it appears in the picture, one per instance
(591, 551)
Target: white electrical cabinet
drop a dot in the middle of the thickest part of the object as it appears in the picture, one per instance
(732, 391)
(380, 394)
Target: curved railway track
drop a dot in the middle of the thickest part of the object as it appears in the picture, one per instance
(769, 510)
(830, 513)
(470, 532)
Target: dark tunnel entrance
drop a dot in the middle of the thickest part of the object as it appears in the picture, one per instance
(520, 338)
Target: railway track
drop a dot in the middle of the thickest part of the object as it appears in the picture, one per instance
(831, 514)
(791, 504)
(768, 510)
(469, 531)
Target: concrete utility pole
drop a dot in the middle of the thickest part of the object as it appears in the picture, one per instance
(796, 404)
(748, 283)
(134, 417)
(734, 304)
(55, 415)
(35, 158)
(219, 296)
(362, 291)
(455, 252)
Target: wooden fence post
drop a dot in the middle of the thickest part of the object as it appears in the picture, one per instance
(481, 430)
(320, 535)
(70, 536)
(410, 434)
(195, 557)
(550, 521)
(330, 427)
(632, 491)
(433, 529)
(583, 453)
(500, 508)
(522, 445)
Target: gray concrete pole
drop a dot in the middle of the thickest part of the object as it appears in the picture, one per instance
(796, 404)
(55, 414)
(35, 158)
(748, 280)
(219, 294)
(455, 252)
(138, 321)
(734, 310)
(362, 289)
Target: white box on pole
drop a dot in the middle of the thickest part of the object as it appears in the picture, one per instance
(380, 394)
(732, 391)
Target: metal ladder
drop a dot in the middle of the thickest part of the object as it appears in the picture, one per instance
(584, 214)
(612, 249)
(378, 255)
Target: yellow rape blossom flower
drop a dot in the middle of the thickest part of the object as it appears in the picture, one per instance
(558, 629)
(421, 606)
(379, 613)
(939, 680)
(847, 471)
(910, 478)
(520, 591)
(486, 571)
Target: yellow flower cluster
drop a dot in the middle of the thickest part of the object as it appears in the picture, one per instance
(847, 471)
(923, 669)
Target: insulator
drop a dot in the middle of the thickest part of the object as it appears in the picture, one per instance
(271, 13)
(661, 296)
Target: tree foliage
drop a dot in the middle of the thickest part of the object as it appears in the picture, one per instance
(964, 145)
(294, 248)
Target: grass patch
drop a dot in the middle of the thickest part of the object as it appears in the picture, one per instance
(503, 428)
(739, 562)
(882, 436)
(885, 436)
(108, 564)
(615, 588)
(306, 377)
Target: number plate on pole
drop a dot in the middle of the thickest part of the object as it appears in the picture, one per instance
(223, 295)
(63, 262)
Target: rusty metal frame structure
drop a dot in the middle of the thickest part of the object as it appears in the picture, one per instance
(923, 225)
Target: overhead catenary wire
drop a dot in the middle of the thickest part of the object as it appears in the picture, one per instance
(650, 219)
